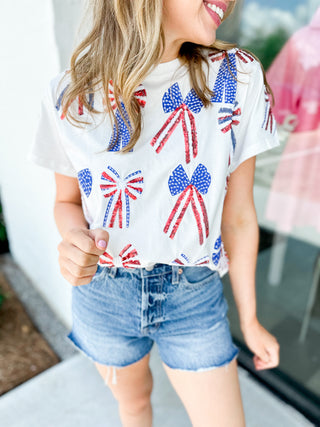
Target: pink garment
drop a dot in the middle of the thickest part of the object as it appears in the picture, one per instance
(294, 199)
(294, 77)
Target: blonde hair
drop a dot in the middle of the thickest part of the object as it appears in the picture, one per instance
(125, 42)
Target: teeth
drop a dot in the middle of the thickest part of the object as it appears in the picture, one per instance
(216, 9)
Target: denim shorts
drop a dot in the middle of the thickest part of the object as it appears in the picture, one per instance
(119, 315)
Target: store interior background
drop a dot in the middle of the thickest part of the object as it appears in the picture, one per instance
(287, 279)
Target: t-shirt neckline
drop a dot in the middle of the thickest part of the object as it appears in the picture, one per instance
(164, 68)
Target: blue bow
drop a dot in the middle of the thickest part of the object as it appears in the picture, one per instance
(225, 87)
(122, 137)
(179, 181)
(172, 99)
(85, 181)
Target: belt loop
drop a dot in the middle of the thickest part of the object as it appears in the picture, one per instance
(112, 271)
(175, 274)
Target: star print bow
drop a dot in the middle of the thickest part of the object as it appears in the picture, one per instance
(128, 258)
(225, 86)
(190, 190)
(220, 256)
(172, 101)
(121, 138)
(227, 120)
(217, 247)
(85, 181)
(119, 190)
(184, 260)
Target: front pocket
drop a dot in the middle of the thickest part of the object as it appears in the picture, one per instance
(98, 276)
(195, 277)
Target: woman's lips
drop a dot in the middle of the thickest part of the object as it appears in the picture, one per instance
(216, 10)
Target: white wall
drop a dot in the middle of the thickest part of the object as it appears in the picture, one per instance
(29, 58)
(67, 15)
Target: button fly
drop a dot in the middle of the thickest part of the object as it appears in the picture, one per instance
(149, 268)
(180, 271)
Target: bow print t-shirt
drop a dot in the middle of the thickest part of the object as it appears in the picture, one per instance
(162, 202)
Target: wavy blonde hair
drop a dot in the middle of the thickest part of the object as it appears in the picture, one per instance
(124, 43)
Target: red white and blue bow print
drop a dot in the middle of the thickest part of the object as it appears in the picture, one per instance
(182, 259)
(85, 181)
(120, 138)
(268, 122)
(59, 101)
(217, 251)
(215, 57)
(128, 256)
(181, 112)
(225, 87)
(227, 119)
(241, 54)
(120, 191)
(80, 103)
(244, 56)
(190, 193)
(90, 101)
(220, 256)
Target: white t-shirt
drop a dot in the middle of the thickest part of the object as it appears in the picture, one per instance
(162, 202)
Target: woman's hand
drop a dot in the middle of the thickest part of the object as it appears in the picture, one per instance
(79, 254)
(263, 344)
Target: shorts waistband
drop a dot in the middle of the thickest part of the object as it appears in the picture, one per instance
(152, 270)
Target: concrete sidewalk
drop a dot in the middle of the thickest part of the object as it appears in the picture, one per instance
(72, 394)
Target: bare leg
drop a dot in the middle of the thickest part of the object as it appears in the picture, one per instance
(132, 391)
(211, 398)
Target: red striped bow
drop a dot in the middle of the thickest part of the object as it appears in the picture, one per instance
(128, 257)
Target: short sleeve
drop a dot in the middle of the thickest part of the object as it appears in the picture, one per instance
(47, 148)
(254, 126)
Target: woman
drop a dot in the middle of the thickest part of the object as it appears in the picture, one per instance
(151, 198)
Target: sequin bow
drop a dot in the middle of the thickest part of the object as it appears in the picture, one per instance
(182, 110)
(182, 259)
(119, 191)
(268, 116)
(241, 54)
(80, 103)
(218, 251)
(225, 86)
(122, 137)
(128, 256)
(228, 118)
(190, 191)
(244, 56)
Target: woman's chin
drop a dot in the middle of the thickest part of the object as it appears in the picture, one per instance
(208, 41)
(208, 37)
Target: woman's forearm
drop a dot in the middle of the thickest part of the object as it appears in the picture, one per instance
(67, 216)
(241, 243)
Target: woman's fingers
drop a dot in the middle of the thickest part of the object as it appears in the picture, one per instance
(263, 344)
(74, 280)
(270, 359)
(81, 238)
(77, 270)
(78, 256)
